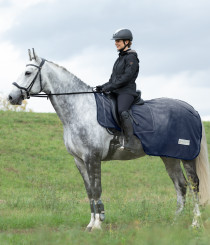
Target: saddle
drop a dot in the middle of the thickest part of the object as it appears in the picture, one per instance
(113, 102)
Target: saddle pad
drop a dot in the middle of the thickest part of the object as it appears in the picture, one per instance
(165, 127)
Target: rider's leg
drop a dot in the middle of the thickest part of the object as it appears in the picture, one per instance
(124, 102)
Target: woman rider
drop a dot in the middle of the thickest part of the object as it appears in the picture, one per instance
(122, 82)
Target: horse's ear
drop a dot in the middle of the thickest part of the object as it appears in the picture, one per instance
(34, 54)
(29, 53)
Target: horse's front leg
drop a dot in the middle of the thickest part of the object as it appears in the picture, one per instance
(90, 177)
(93, 164)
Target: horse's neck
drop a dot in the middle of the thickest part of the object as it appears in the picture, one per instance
(68, 107)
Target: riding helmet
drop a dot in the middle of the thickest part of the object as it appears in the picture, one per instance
(122, 34)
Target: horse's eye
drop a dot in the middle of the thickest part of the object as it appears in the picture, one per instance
(27, 73)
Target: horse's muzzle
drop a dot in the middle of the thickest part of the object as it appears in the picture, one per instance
(15, 98)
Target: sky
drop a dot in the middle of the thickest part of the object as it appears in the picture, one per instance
(171, 38)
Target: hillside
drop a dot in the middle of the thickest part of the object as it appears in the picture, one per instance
(43, 199)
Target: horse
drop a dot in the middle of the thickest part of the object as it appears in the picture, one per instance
(89, 143)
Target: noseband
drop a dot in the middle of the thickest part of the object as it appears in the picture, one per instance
(28, 89)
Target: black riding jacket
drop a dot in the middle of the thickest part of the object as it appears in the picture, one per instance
(124, 74)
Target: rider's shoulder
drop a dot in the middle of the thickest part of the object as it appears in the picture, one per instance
(132, 54)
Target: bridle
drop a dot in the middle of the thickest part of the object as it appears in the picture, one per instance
(28, 89)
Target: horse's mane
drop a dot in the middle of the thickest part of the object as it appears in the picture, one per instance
(68, 72)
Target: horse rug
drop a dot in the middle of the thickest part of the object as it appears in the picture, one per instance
(165, 127)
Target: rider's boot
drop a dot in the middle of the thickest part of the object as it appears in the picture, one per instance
(127, 127)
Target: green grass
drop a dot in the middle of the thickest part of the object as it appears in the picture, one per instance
(43, 199)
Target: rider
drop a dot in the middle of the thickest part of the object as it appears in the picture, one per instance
(122, 82)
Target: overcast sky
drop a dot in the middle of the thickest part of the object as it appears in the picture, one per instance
(172, 39)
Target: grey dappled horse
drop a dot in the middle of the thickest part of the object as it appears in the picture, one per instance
(89, 143)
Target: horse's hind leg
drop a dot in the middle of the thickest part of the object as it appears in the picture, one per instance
(176, 174)
(190, 168)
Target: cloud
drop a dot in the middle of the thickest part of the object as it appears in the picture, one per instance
(179, 86)
(171, 39)
(11, 65)
(90, 66)
(170, 34)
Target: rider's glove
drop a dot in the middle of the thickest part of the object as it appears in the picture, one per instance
(99, 88)
(107, 88)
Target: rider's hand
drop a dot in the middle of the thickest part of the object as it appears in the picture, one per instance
(106, 88)
(99, 88)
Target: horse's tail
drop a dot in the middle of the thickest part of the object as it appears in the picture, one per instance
(202, 169)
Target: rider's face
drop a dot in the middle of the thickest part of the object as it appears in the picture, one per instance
(120, 44)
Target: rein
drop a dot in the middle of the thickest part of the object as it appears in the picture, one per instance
(47, 95)
(28, 89)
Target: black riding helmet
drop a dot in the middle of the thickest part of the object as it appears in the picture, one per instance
(122, 34)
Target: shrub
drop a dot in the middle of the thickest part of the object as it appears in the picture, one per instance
(6, 106)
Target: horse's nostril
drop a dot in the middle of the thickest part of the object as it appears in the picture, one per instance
(10, 98)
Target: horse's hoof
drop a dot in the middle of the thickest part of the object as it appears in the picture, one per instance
(88, 229)
(195, 224)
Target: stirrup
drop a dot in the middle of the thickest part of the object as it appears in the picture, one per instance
(122, 148)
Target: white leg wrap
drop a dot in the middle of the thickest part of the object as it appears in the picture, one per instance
(91, 224)
(97, 215)
(97, 224)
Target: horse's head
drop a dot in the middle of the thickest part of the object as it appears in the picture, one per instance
(29, 82)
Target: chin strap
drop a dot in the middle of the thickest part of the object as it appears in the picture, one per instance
(122, 49)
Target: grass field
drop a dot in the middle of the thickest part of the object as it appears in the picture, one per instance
(43, 199)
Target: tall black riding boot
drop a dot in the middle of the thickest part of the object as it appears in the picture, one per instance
(128, 131)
